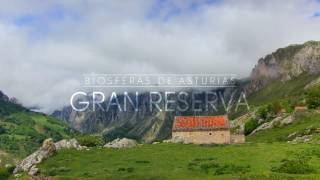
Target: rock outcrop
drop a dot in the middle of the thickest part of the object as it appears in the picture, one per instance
(121, 143)
(286, 64)
(278, 121)
(28, 164)
(48, 149)
(177, 139)
(68, 144)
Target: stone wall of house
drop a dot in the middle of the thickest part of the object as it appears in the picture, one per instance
(205, 137)
(237, 138)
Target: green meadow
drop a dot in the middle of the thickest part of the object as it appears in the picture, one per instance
(179, 161)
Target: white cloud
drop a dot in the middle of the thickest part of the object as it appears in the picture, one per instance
(41, 63)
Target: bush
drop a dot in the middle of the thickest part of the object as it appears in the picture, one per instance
(262, 112)
(276, 107)
(270, 110)
(313, 98)
(90, 141)
(211, 166)
(250, 126)
(288, 105)
(231, 169)
(2, 130)
(6, 172)
(298, 165)
(129, 169)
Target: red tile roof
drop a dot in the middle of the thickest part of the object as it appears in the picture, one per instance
(192, 123)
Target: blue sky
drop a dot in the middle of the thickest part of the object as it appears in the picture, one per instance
(166, 9)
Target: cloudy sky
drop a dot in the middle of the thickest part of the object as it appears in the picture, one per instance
(45, 46)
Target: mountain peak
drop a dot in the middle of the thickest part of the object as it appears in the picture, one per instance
(286, 63)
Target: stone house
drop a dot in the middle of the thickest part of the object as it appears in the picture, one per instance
(202, 129)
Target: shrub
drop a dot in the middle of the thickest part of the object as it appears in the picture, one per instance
(129, 169)
(211, 166)
(298, 165)
(90, 141)
(231, 169)
(270, 110)
(250, 126)
(262, 112)
(2, 130)
(313, 98)
(4, 173)
(288, 105)
(276, 107)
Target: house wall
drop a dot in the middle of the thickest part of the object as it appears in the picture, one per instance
(205, 137)
(237, 138)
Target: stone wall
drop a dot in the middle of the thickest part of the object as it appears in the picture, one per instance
(237, 138)
(205, 137)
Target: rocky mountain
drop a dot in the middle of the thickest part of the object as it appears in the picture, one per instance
(143, 125)
(286, 64)
(277, 75)
(114, 123)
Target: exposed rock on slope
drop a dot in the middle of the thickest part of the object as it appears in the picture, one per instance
(48, 149)
(68, 144)
(285, 64)
(28, 164)
(278, 121)
(121, 143)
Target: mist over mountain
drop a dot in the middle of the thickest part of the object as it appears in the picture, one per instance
(143, 124)
(46, 48)
(283, 64)
(286, 64)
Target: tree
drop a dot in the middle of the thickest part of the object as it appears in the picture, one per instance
(250, 126)
(313, 98)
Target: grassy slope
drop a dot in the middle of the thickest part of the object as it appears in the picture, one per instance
(304, 121)
(170, 161)
(281, 90)
(277, 90)
(6, 159)
(23, 131)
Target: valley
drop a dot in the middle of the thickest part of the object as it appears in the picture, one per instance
(282, 128)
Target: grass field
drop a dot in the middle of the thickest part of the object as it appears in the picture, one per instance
(178, 161)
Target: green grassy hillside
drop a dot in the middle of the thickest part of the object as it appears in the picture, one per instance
(177, 161)
(307, 123)
(22, 131)
(292, 89)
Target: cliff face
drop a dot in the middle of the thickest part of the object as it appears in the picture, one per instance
(145, 125)
(128, 123)
(286, 64)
